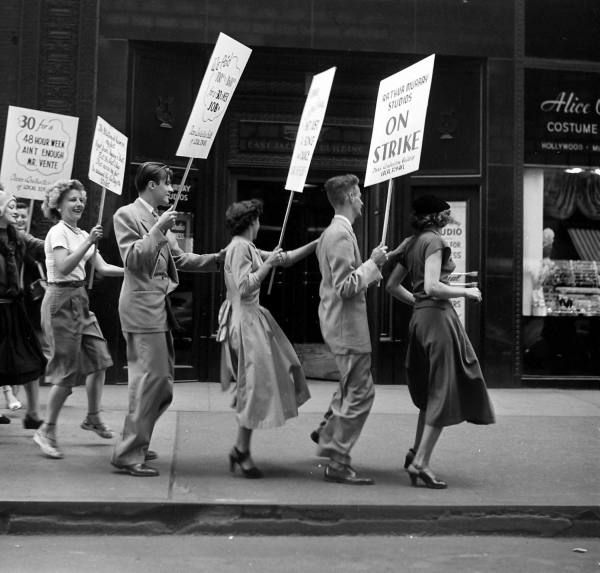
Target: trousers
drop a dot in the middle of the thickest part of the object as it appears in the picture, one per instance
(349, 408)
(150, 363)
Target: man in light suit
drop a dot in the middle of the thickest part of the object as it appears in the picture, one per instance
(151, 257)
(343, 319)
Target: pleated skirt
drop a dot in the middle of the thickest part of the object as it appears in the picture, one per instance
(270, 382)
(444, 375)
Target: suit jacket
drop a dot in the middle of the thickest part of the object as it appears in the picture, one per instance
(150, 259)
(344, 281)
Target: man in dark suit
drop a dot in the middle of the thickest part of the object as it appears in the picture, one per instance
(343, 319)
(151, 257)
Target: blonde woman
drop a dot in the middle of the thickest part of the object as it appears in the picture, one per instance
(78, 350)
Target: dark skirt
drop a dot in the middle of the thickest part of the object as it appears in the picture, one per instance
(21, 358)
(444, 376)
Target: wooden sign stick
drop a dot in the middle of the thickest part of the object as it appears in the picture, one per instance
(185, 175)
(102, 198)
(386, 219)
(285, 220)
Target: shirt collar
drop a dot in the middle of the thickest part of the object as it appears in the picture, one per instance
(147, 205)
(343, 218)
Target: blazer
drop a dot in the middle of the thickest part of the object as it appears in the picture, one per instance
(150, 260)
(344, 281)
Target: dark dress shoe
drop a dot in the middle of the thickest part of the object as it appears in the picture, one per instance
(4, 419)
(346, 475)
(150, 455)
(30, 423)
(138, 470)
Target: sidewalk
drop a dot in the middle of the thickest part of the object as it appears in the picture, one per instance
(536, 471)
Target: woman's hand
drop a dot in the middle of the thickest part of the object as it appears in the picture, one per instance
(275, 258)
(473, 293)
(95, 234)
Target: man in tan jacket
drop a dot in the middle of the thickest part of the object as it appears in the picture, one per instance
(151, 257)
(343, 319)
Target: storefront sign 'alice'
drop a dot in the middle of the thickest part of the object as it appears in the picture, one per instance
(398, 127)
(222, 76)
(306, 141)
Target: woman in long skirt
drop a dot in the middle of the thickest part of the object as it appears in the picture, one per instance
(21, 358)
(444, 377)
(78, 351)
(270, 381)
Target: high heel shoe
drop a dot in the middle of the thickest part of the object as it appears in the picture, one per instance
(410, 456)
(430, 481)
(237, 457)
(30, 423)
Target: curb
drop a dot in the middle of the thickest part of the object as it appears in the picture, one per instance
(153, 518)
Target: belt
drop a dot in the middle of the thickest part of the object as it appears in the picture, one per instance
(68, 284)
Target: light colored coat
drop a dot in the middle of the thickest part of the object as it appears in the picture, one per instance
(344, 281)
(150, 259)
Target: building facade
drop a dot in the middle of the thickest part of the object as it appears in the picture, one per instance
(498, 138)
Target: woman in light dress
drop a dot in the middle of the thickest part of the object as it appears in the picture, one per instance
(270, 381)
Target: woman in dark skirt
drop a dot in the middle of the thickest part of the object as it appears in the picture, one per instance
(444, 377)
(21, 358)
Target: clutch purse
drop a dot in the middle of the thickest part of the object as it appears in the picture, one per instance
(224, 313)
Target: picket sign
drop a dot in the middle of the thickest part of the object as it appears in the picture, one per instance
(306, 142)
(398, 127)
(222, 76)
(107, 169)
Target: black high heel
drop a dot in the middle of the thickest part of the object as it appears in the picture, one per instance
(410, 456)
(30, 423)
(430, 481)
(237, 457)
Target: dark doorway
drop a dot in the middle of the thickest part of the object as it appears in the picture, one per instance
(294, 298)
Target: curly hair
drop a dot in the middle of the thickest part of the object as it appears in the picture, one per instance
(56, 193)
(239, 216)
(421, 222)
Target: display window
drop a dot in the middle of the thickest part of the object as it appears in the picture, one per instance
(561, 279)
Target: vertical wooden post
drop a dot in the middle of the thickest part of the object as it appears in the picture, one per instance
(285, 220)
(93, 268)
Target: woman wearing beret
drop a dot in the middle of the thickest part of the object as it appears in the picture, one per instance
(21, 358)
(444, 377)
(270, 381)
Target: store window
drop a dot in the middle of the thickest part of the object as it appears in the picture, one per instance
(561, 281)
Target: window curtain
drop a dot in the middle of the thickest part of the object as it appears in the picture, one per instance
(566, 192)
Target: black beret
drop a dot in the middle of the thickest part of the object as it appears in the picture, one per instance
(429, 204)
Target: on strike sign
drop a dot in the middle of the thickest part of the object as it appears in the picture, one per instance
(399, 121)
(224, 70)
(38, 150)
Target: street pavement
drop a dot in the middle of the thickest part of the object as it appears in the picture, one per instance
(293, 554)
(535, 472)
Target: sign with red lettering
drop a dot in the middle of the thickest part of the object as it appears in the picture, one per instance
(397, 136)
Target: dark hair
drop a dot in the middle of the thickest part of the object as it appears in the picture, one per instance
(151, 171)
(22, 205)
(56, 193)
(338, 188)
(420, 222)
(240, 215)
